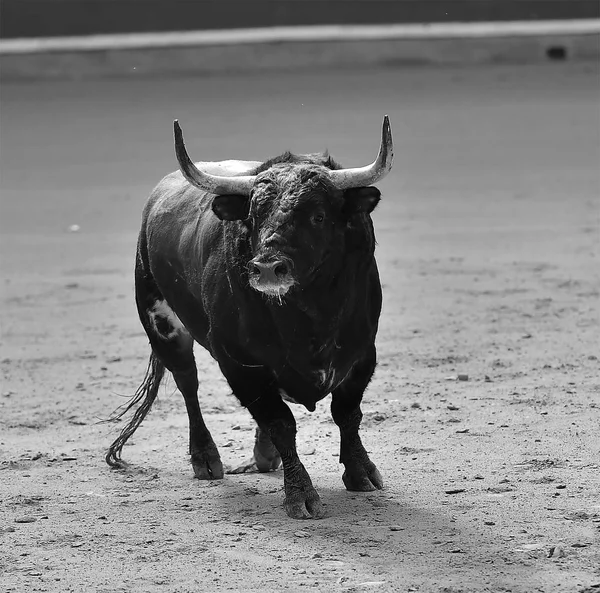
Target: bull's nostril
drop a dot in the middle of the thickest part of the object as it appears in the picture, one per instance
(281, 269)
(255, 270)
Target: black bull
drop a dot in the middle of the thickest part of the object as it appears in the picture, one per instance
(269, 266)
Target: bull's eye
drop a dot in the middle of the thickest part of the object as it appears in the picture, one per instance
(318, 218)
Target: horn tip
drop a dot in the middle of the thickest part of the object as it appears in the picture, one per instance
(177, 132)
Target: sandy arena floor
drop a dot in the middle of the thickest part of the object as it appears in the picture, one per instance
(489, 255)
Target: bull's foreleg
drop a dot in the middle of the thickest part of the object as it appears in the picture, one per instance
(360, 472)
(257, 390)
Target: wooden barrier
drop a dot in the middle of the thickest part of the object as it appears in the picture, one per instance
(51, 18)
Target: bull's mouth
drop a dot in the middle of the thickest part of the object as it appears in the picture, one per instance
(272, 289)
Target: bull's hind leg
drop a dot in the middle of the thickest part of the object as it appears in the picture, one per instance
(172, 347)
(361, 473)
(266, 458)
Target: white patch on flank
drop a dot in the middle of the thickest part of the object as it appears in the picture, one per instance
(162, 310)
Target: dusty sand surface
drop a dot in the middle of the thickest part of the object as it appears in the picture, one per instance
(489, 257)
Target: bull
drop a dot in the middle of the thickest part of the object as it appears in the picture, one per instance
(270, 266)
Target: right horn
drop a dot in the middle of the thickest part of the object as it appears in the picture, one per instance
(215, 184)
(377, 170)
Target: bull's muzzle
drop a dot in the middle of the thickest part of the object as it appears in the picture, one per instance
(273, 276)
(270, 272)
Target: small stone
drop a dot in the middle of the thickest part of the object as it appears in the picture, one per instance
(397, 528)
(487, 379)
(489, 523)
(258, 527)
(317, 555)
(301, 533)
(455, 491)
(456, 551)
(478, 477)
(26, 519)
(415, 405)
(453, 408)
(561, 487)
(500, 489)
(462, 431)
(579, 545)
(556, 552)
(463, 377)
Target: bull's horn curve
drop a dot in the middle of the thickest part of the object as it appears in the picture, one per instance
(215, 184)
(377, 170)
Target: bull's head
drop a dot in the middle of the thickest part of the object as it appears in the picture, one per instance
(297, 212)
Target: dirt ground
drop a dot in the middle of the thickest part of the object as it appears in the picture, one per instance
(489, 256)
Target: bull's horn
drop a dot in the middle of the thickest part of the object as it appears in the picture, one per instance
(378, 169)
(215, 184)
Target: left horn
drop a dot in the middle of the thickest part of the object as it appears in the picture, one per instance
(215, 184)
(377, 170)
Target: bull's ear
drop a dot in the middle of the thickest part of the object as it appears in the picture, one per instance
(230, 207)
(359, 200)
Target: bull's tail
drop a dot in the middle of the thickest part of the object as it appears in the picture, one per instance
(146, 394)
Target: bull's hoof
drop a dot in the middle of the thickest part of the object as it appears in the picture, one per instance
(246, 467)
(207, 466)
(363, 479)
(256, 464)
(266, 456)
(266, 464)
(304, 505)
(264, 460)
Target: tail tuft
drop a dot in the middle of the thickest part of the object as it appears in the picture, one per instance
(146, 394)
